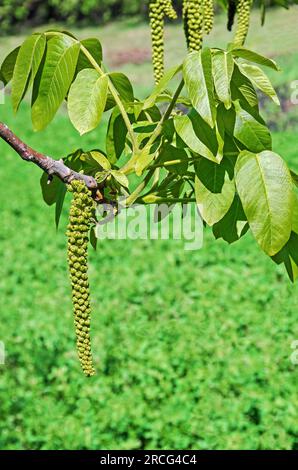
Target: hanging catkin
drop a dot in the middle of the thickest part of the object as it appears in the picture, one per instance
(156, 14)
(193, 18)
(158, 9)
(77, 233)
(169, 10)
(208, 16)
(243, 18)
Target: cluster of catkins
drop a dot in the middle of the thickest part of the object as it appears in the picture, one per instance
(198, 18)
(77, 233)
(243, 17)
(193, 19)
(158, 9)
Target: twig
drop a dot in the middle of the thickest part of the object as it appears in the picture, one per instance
(47, 164)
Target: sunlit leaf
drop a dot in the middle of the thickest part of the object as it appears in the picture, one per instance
(254, 135)
(252, 56)
(260, 80)
(222, 69)
(185, 129)
(214, 189)
(55, 80)
(197, 73)
(87, 99)
(265, 188)
(26, 67)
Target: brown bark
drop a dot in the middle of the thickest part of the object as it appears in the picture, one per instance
(47, 164)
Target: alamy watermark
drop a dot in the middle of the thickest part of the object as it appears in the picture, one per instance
(2, 353)
(152, 222)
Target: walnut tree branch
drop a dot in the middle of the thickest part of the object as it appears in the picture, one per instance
(47, 164)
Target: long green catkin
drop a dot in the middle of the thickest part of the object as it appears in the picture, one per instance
(77, 233)
(156, 14)
(243, 14)
(169, 10)
(193, 18)
(158, 9)
(208, 16)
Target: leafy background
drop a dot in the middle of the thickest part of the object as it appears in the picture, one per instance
(192, 348)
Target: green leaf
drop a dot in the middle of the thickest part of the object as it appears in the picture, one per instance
(94, 47)
(222, 68)
(260, 80)
(233, 225)
(143, 159)
(214, 190)
(288, 255)
(242, 89)
(251, 133)
(100, 159)
(264, 185)
(171, 154)
(295, 215)
(53, 193)
(122, 85)
(93, 162)
(8, 65)
(50, 188)
(197, 73)
(170, 188)
(56, 77)
(26, 67)
(93, 238)
(294, 178)
(225, 119)
(252, 56)
(185, 129)
(163, 83)
(87, 99)
(116, 136)
(59, 203)
(120, 177)
(208, 136)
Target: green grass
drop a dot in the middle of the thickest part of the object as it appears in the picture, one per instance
(192, 349)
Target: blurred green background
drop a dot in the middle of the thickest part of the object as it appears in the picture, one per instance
(192, 349)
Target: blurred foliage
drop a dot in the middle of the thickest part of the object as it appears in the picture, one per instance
(192, 349)
(14, 13)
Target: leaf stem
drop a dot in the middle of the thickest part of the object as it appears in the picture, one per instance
(135, 194)
(166, 115)
(115, 96)
(151, 199)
